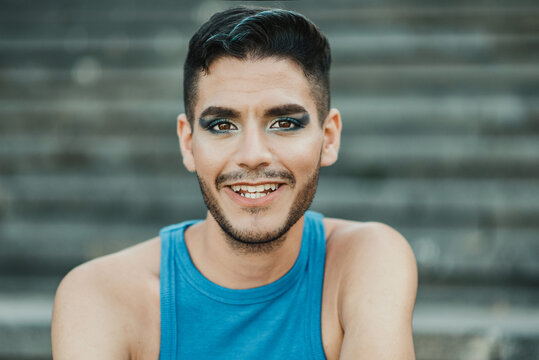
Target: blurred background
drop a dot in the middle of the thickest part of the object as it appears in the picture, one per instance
(441, 141)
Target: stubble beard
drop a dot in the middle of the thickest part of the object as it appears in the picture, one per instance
(249, 241)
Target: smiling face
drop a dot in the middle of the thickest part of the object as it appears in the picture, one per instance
(257, 145)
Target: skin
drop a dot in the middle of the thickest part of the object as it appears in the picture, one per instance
(370, 278)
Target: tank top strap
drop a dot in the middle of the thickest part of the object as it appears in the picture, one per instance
(317, 258)
(170, 236)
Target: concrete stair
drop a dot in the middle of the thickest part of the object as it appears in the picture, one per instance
(481, 323)
(441, 141)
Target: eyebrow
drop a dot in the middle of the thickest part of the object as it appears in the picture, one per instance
(283, 110)
(219, 111)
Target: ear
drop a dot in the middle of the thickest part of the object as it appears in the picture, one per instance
(185, 137)
(332, 138)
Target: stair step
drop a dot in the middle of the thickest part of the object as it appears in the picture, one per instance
(495, 196)
(441, 331)
(96, 21)
(169, 49)
(451, 332)
(90, 82)
(459, 229)
(496, 114)
(454, 254)
(376, 156)
(502, 114)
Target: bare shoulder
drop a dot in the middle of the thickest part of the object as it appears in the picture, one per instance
(100, 305)
(368, 244)
(376, 273)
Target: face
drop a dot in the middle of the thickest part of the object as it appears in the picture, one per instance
(257, 146)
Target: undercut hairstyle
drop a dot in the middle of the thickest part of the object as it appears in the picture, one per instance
(254, 34)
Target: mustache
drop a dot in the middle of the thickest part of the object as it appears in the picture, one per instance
(255, 175)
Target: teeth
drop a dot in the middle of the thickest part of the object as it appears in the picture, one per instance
(254, 191)
(253, 195)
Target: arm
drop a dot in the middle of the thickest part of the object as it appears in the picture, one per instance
(86, 321)
(378, 295)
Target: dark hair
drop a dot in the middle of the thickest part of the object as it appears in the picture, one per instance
(244, 32)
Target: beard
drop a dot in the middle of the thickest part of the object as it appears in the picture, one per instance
(251, 241)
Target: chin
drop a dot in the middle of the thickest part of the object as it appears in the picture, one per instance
(262, 222)
(257, 220)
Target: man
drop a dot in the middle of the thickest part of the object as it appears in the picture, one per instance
(261, 277)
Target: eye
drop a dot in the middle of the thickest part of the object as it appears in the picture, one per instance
(221, 126)
(286, 123)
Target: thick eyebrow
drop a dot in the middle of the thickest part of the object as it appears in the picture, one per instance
(283, 110)
(218, 111)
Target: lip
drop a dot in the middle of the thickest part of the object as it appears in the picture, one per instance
(246, 202)
(255, 183)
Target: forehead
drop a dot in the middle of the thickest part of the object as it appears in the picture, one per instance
(253, 85)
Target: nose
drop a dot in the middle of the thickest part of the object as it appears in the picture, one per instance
(253, 151)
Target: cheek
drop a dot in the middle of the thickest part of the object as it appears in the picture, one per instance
(209, 159)
(301, 155)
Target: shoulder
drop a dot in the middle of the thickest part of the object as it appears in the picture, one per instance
(110, 276)
(368, 242)
(370, 258)
(94, 305)
(376, 273)
(372, 263)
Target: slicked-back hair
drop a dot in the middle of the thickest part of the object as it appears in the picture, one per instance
(253, 34)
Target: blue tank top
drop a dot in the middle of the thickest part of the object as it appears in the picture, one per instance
(202, 320)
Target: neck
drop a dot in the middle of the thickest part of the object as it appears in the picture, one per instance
(233, 267)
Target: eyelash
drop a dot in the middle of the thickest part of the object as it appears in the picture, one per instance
(218, 122)
(295, 122)
(212, 126)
